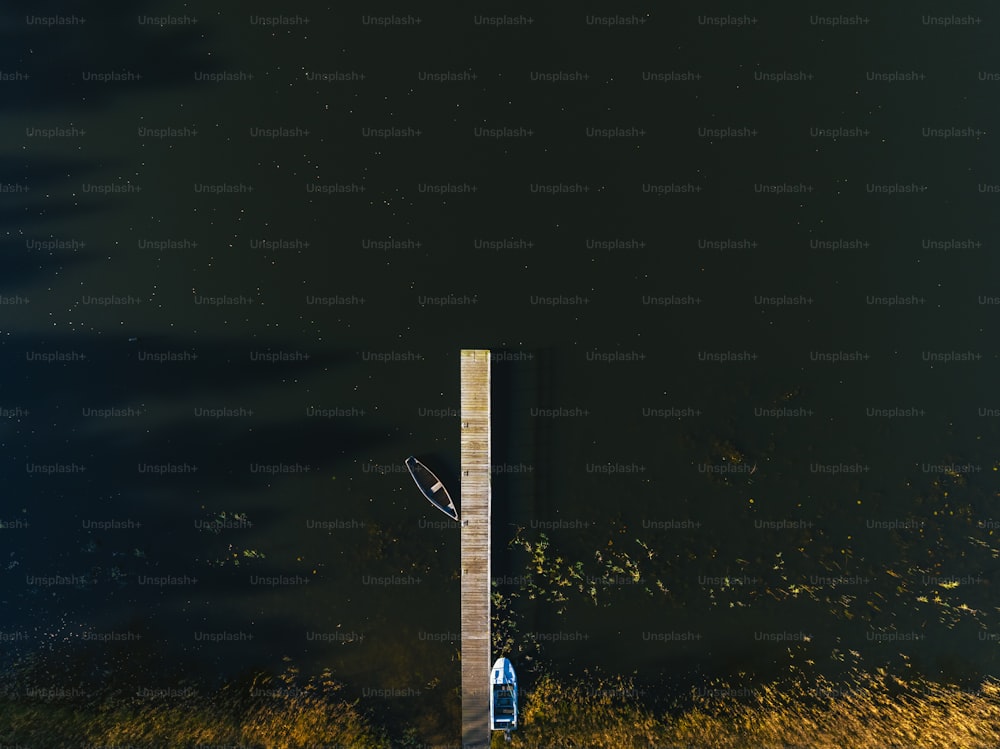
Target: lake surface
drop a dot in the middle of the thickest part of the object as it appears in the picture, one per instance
(763, 420)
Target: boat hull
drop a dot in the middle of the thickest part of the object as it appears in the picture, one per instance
(431, 487)
(503, 696)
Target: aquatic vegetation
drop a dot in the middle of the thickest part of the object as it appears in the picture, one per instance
(382, 543)
(220, 521)
(234, 554)
(554, 579)
(727, 451)
(281, 712)
(868, 709)
(891, 585)
(545, 578)
(217, 522)
(734, 466)
(598, 713)
(938, 562)
(503, 627)
(508, 634)
(916, 579)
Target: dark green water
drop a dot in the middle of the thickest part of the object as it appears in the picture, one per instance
(750, 554)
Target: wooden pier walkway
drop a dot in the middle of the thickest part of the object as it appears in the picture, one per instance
(474, 514)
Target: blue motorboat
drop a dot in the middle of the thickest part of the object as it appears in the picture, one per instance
(503, 696)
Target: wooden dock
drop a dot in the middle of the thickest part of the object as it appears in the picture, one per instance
(474, 514)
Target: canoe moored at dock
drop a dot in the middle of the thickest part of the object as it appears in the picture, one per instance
(431, 487)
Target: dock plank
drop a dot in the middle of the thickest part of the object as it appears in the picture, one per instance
(475, 518)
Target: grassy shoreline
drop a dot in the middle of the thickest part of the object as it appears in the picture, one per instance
(87, 696)
(872, 709)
